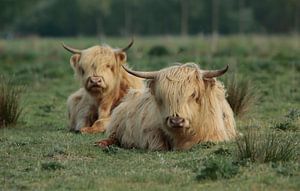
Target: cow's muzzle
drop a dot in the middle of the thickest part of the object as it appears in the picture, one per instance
(175, 122)
(95, 82)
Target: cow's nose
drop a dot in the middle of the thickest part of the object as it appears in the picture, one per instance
(176, 122)
(95, 79)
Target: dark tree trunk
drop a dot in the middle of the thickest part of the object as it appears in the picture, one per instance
(184, 17)
(215, 25)
(241, 17)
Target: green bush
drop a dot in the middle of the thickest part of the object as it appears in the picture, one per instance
(215, 168)
(10, 108)
(158, 50)
(290, 122)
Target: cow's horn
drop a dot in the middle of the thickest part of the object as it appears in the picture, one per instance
(147, 75)
(72, 50)
(128, 46)
(214, 73)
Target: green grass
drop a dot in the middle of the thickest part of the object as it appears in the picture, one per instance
(266, 147)
(38, 153)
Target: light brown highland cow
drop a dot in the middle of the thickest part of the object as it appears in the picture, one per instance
(181, 106)
(104, 83)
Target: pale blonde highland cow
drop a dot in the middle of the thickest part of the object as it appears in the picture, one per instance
(181, 106)
(104, 83)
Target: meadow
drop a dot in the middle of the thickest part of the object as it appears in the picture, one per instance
(39, 153)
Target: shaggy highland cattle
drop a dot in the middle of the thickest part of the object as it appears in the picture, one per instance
(104, 85)
(181, 106)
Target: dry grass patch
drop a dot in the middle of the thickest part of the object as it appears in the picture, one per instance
(10, 108)
(241, 95)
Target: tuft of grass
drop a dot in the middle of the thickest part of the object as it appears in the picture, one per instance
(265, 147)
(215, 168)
(10, 96)
(241, 95)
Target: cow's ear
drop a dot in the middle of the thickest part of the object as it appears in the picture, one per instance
(121, 57)
(74, 60)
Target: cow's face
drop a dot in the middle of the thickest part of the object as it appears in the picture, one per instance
(98, 68)
(177, 91)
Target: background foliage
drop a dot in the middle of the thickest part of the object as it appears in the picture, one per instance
(147, 17)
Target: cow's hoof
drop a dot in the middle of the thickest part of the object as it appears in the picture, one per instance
(85, 130)
(103, 144)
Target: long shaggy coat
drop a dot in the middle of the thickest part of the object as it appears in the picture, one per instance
(90, 107)
(140, 121)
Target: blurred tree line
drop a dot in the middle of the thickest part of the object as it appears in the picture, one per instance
(147, 17)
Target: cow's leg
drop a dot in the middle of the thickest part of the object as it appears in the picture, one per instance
(100, 125)
(104, 143)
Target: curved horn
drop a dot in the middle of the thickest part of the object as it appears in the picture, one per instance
(72, 50)
(128, 46)
(146, 75)
(214, 73)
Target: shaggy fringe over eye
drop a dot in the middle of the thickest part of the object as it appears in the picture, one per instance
(10, 109)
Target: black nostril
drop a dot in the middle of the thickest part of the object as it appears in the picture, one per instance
(167, 119)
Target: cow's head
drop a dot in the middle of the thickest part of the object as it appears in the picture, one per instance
(98, 67)
(179, 92)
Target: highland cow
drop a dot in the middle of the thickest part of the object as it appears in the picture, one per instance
(181, 106)
(104, 83)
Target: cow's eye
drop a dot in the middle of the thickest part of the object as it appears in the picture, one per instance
(108, 66)
(81, 70)
(193, 95)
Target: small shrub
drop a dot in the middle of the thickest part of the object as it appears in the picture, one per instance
(241, 95)
(217, 168)
(286, 169)
(293, 114)
(10, 108)
(182, 49)
(111, 150)
(285, 125)
(289, 122)
(265, 147)
(158, 50)
(222, 151)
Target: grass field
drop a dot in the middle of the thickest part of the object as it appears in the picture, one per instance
(38, 153)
